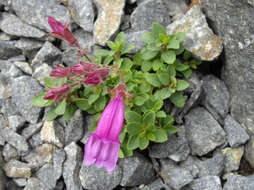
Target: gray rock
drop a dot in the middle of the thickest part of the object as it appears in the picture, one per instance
(12, 25)
(148, 12)
(46, 175)
(16, 122)
(42, 71)
(72, 167)
(35, 140)
(135, 38)
(175, 148)
(11, 185)
(24, 88)
(137, 170)
(87, 126)
(24, 66)
(2, 176)
(39, 12)
(21, 182)
(238, 182)
(249, 151)
(203, 132)
(237, 36)
(58, 159)
(47, 54)
(30, 130)
(216, 97)
(5, 37)
(8, 49)
(8, 108)
(175, 176)
(199, 39)
(17, 169)
(190, 164)
(236, 134)
(9, 152)
(206, 183)
(82, 13)
(233, 158)
(176, 8)
(74, 129)
(5, 91)
(156, 185)
(34, 183)
(94, 178)
(69, 57)
(9, 70)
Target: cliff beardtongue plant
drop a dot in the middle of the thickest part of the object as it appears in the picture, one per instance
(143, 82)
(103, 146)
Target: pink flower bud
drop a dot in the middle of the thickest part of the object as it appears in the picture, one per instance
(60, 71)
(96, 77)
(102, 148)
(57, 93)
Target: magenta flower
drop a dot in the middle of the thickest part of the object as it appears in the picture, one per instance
(102, 148)
(60, 71)
(96, 77)
(57, 93)
(84, 68)
(61, 31)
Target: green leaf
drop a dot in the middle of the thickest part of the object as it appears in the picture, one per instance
(60, 81)
(158, 29)
(171, 70)
(51, 115)
(126, 64)
(163, 93)
(181, 67)
(108, 60)
(120, 38)
(111, 45)
(40, 102)
(69, 112)
(133, 142)
(146, 66)
(157, 64)
(127, 49)
(134, 128)
(132, 116)
(158, 105)
(143, 143)
(145, 87)
(180, 50)
(160, 135)
(82, 104)
(169, 56)
(173, 43)
(164, 78)
(102, 52)
(60, 108)
(180, 36)
(92, 98)
(171, 129)
(152, 79)
(148, 54)
(137, 59)
(149, 118)
(148, 37)
(187, 73)
(100, 103)
(186, 55)
(140, 99)
(161, 114)
(181, 85)
(49, 82)
(121, 153)
(177, 99)
(151, 136)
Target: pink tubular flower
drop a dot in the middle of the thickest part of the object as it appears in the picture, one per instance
(60, 71)
(58, 92)
(96, 77)
(84, 68)
(102, 148)
(61, 31)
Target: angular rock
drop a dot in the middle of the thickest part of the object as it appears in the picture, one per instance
(235, 40)
(69, 57)
(5, 37)
(46, 175)
(233, 158)
(15, 122)
(203, 132)
(34, 183)
(190, 164)
(17, 169)
(238, 182)
(24, 66)
(8, 108)
(176, 8)
(175, 176)
(200, 40)
(39, 11)
(11, 185)
(137, 170)
(175, 148)
(156, 185)
(109, 19)
(9, 70)
(35, 140)
(53, 132)
(47, 54)
(31, 130)
(8, 49)
(206, 183)
(135, 38)
(2, 176)
(9, 152)
(21, 182)
(12, 25)
(58, 159)
(41, 72)
(216, 97)
(236, 134)
(249, 151)
(24, 88)
(82, 13)
(5, 91)
(71, 167)
(148, 12)
(94, 178)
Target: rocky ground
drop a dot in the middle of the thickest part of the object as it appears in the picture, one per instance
(214, 148)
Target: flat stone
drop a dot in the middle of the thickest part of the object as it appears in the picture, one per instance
(82, 13)
(174, 175)
(58, 160)
(233, 158)
(17, 169)
(236, 134)
(109, 19)
(16, 122)
(24, 66)
(200, 40)
(24, 88)
(34, 183)
(39, 11)
(147, 12)
(70, 58)
(176, 8)
(156, 185)
(87, 126)
(46, 175)
(71, 167)
(5, 37)
(203, 132)
(135, 38)
(31, 129)
(5, 91)
(137, 170)
(2, 176)
(8, 49)
(238, 182)
(206, 183)
(35, 140)
(8, 108)
(9, 70)
(249, 151)
(53, 132)
(9, 152)
(21, 182)
(12, 25)
(11, 185)
(95, 178)
(41, 72)
(190, 164)
(216, 97)
(176, 147)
